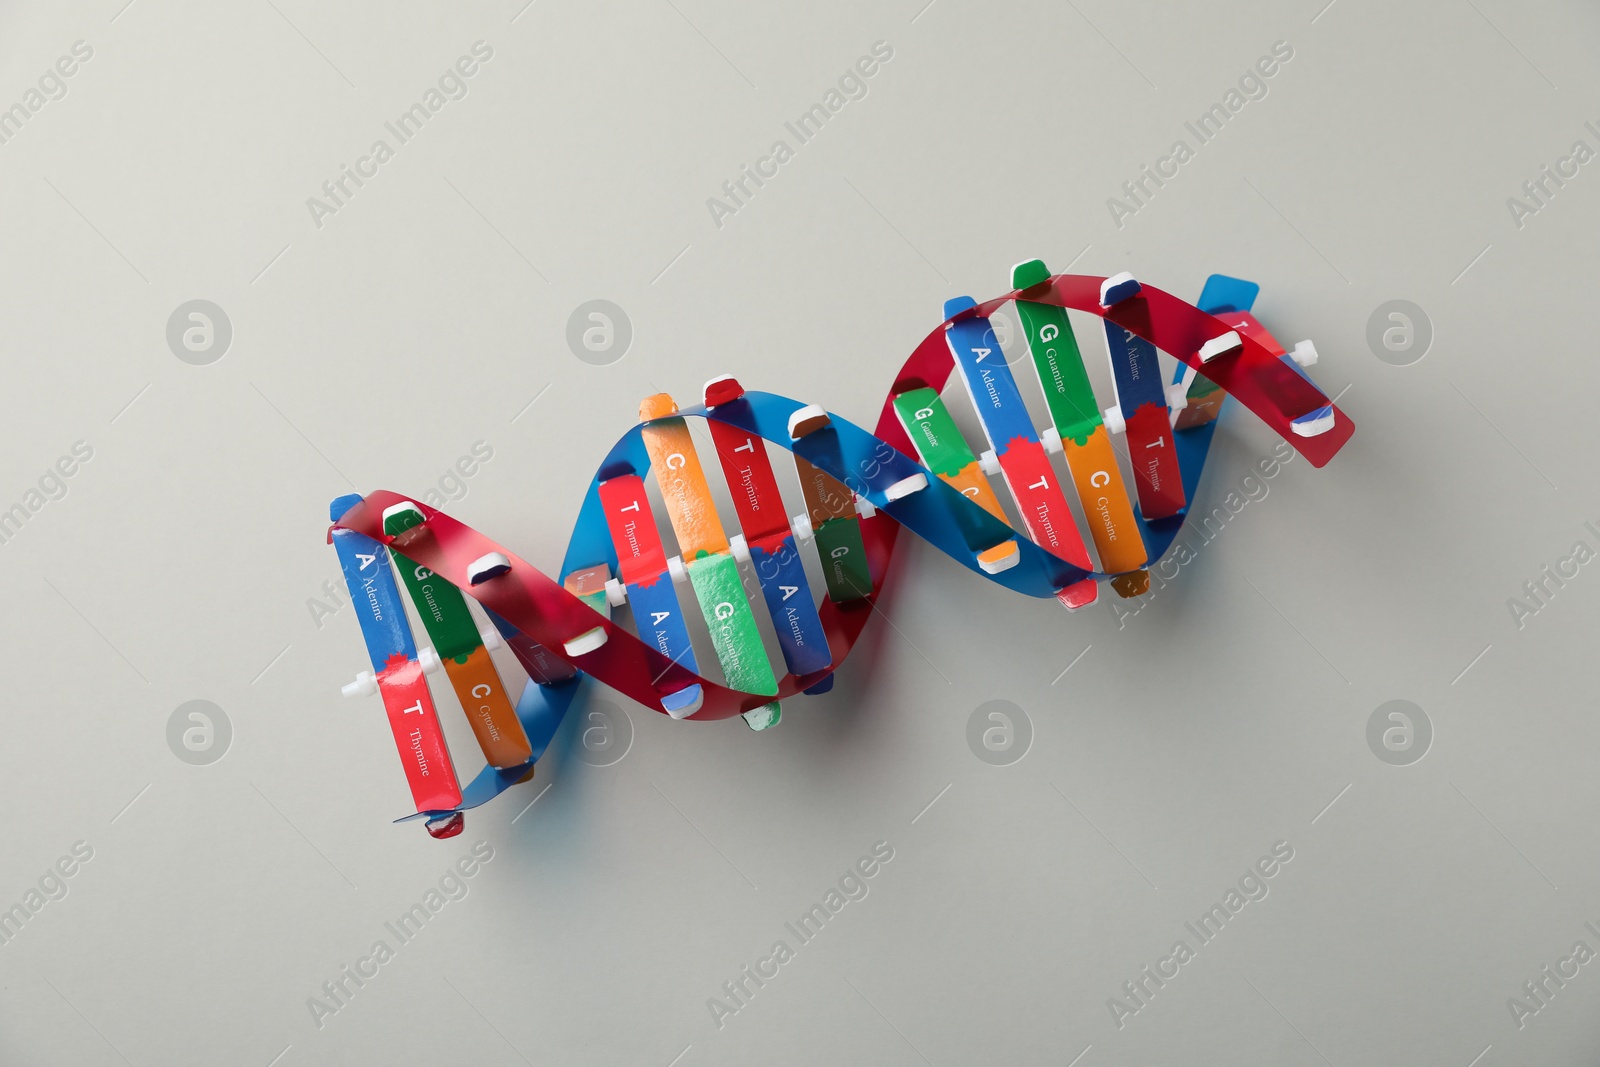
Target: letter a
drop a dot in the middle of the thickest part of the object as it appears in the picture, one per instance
(318, 1010)
(718, 209)
(319, 209)
(718, 1010)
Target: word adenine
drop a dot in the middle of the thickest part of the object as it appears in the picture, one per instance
(452, 85)
(852, 85)
(1252, 85)
(742, 988)
(1251, 887)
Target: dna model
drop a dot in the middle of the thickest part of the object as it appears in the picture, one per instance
(913, 470)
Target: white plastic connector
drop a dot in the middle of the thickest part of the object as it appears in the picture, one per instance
(430, 661)
(739, 548)
(491, 638)
(490, 565)
(1050, 437)
(616, 593)
(1307, 426)
(906, 486)
(1117, 288)
(1304, 353)
(807, 414)
(1177, 396)
(364, 686)
(1222, 345)
(683, 703)
(676, 569)
(1112, 417)
(1004, 563)
(708, 390)
(989, 463)
(402, 508)
(801, 524)
(865, 508)
(585, 642)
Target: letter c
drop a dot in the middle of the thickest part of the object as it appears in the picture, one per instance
(762, 971)
(1163, 170)
(765, 173)
(1573, 173)
(1099, 479)
(680, 461)
(362, 171)
(1563, 971)
(480, 690)
(365, 974)
(1162, 969)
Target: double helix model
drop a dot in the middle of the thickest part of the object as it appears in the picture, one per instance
(914, 471)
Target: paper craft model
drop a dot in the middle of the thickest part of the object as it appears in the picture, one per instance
(914, 470)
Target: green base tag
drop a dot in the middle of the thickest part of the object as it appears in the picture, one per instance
(718, 587)
(844, 559)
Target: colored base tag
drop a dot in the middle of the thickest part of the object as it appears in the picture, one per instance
(1098, 482)
(844, 560)
(1137, 372)
(419, 738)
(489, 712)
(658, 616)
(733, 630)
(782, 576)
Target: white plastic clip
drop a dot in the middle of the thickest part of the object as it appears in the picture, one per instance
(1050, 437)
(684, 702)
(616, 593)
(739, 548)
(1304, 353)
(989, 463)
(585, 642)
(1117, 288)
(802, 527)
(676, 569)
(1113, 420)
(490, 637)
(1222, 345)
(364, 686)
(490, 565)
(430, 661)
(906, 486)
(811, 413)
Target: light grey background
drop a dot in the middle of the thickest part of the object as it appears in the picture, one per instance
(1229, 714)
